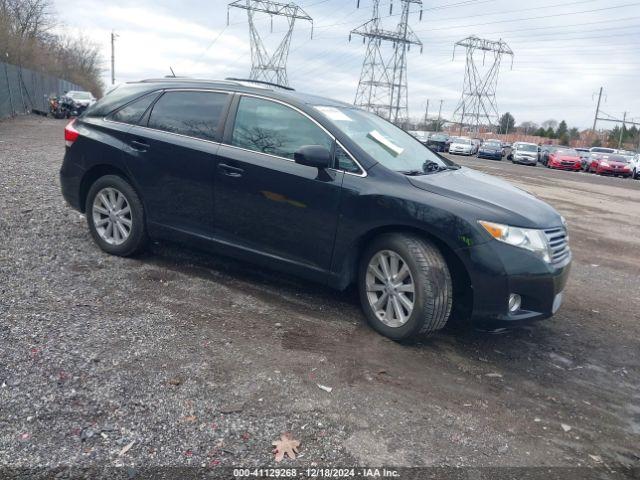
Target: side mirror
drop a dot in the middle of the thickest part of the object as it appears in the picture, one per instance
(313, 156)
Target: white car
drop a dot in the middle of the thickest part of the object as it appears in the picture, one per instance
(84, 99)
(462, 146)
(635, 166)
(525, 153)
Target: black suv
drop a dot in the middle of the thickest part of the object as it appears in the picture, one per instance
(317, 188)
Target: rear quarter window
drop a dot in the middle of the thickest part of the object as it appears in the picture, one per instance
(133, 112)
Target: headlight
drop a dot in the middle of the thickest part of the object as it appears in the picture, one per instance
(533, 240)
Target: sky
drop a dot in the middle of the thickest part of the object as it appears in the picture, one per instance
(565, 50)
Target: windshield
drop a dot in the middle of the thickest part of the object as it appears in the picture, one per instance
(527, 148)
(80, 95)
(386, 143)
(602, 150)
(462, 141)
(439, 138)
(619, 158)
(567, 152)
(491, 145)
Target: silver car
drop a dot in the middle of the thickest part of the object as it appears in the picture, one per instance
(525, 153)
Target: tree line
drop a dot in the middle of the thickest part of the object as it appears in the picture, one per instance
(564, 135)
(27, 38)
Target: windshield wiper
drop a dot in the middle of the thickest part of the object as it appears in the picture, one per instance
(413, 173)
(429, 167)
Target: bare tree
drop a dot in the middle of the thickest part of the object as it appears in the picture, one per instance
(26, 39)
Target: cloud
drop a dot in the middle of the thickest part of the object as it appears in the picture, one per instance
(564, 49)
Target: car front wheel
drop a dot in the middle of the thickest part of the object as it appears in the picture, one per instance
(115, 216)
(405, 286)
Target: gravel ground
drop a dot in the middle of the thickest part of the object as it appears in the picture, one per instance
(179, 358)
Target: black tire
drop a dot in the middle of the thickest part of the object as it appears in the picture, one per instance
(433, 296)
(137, 239)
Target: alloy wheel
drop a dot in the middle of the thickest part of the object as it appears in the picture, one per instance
(112, 216)
(390, 288)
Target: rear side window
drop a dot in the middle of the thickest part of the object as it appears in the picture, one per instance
(133, 112)
(195, 114)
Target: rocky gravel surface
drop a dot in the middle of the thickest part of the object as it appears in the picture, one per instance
(180, 358)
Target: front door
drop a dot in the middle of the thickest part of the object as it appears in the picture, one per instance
(266, 202)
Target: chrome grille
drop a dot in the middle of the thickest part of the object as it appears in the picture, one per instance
(559, 243)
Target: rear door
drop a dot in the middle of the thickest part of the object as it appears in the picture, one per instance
(172, 155)
(266, 202)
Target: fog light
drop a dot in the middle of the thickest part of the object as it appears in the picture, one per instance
(515, 301)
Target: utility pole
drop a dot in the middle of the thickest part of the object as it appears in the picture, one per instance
(265, 67)
(426, 115)
(439, 116)
(595, 120)
(624, 121)
(113, 57)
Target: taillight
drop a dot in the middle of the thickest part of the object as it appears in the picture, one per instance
(70, 133)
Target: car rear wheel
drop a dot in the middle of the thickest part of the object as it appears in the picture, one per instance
(405, 286)
(115, 216)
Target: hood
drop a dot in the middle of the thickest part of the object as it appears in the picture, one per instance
(503, 202)
(526, 153)
(566, 158)
(616, 163)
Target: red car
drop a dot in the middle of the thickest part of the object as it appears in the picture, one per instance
(611, 165)
(565, 159)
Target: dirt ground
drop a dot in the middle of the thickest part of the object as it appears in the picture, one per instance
(179, 358)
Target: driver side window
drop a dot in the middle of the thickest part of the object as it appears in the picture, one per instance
(270, 127)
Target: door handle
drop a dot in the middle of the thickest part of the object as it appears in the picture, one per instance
(230, 171)
(139, 146)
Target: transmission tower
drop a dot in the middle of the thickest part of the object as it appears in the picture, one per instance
(265, 67)
(382, 88)
(478, 104)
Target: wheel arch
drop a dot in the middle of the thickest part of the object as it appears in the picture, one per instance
(461, 280)
(93, 174)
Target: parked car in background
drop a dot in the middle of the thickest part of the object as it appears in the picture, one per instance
(635, 166)
(598, 153)
(584, 153)
(420, 135)
(491, 149)
(547, 150)
(564, 159)
(439, 142)
(616, 165)
(325, 191)
(524, 153)
(476, 145)
(81, 98)
(493, 140)
(462, 146)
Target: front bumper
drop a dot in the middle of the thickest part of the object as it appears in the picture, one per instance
(498, 270)
(527, 160)
(460, 152)
(574, 167)
(612, 171)
(491, 156)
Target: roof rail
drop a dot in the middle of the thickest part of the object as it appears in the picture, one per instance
(247, 80)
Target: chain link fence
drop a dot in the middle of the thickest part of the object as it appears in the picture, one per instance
(23, 90)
